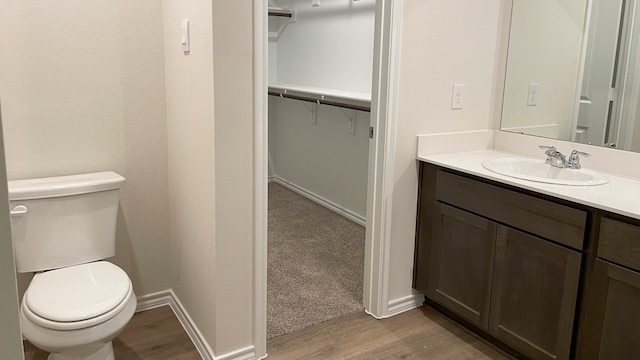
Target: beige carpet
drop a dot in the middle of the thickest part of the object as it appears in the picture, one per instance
(315, 263)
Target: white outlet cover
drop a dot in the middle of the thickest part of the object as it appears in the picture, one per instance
(457, 97)
(532, 97)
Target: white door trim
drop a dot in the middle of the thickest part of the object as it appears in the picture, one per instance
(260, 176)
(382, 156)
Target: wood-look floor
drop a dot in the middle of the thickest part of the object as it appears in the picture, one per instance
(421, 333)
(152, 334)
(417, 334)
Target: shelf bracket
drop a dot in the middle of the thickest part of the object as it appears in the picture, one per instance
(350, 114)
(351, 123)
(313, 110)
(280, 18)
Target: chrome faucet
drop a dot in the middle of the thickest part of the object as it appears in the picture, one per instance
(557, 159)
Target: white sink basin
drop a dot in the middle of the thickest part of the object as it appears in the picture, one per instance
(537, 170)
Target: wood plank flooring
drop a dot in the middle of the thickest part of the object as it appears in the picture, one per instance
(417, 334)
(153, 334)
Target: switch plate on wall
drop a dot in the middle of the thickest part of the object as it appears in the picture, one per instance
(532, 98)
(185, 36)
(457, 97)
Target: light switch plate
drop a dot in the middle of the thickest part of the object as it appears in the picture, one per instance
(185, 40)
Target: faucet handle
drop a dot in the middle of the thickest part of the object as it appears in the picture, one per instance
(576, 153)
(550, 150)
(574, 159)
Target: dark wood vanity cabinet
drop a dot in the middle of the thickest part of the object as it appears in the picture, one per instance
(506, 262)
(533, 294)
(612, 321)
(461, 263)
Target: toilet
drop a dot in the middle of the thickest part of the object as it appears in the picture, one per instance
(63, 229)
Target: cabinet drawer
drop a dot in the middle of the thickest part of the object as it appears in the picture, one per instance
(549, 220)
(620, 243)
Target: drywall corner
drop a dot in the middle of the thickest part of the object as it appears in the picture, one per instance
(189, 90)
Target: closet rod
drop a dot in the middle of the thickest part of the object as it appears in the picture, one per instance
(321, 102)
(280, 14)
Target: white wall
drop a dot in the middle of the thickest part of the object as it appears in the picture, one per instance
(545, 48)
(82, 87)
(443, 42)
(273, 60)
(233, 70)
(10, 336)
(190, 129)
(330, 46)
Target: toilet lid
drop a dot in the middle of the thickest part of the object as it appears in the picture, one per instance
(77, 293)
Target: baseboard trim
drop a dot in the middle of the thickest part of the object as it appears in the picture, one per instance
(155, 300)
(168, 297)
(398, 306)
(247, 353)
(358, 219)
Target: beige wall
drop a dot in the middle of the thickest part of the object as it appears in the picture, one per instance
(84, 86)
(210, 126)
(10, 337)
(190, 127)
(83, 90)
(443, 42)
(233, 69)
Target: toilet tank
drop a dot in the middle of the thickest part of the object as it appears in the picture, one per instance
(64, 221)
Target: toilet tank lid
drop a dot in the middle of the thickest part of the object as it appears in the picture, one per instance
(64, 185)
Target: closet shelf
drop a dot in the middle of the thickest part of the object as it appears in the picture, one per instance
(316, 91)
(338, 98)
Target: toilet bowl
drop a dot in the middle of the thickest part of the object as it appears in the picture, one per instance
(75, 312)
(63, 228)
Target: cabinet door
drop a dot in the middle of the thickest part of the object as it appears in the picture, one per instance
(461, 263)
(534, 290)
(614, 330)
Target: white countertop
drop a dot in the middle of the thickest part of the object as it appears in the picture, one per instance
(621, 195)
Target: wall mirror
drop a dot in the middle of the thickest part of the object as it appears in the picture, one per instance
(573, 71)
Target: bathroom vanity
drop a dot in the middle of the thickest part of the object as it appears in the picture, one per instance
(549, 271)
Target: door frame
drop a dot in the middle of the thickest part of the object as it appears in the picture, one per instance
(387, 37)
(382, 151)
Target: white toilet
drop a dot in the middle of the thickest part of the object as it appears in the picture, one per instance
(62, 228)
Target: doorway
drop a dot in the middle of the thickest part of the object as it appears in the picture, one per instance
(609, 98)
(320, 62)
(380, 162)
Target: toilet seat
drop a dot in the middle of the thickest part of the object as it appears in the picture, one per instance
(77, 297)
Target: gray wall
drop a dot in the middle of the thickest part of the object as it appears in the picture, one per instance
(10, 339)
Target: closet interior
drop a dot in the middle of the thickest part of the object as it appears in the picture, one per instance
(320, 77)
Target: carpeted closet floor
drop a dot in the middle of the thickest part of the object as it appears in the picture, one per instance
(315, 263)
